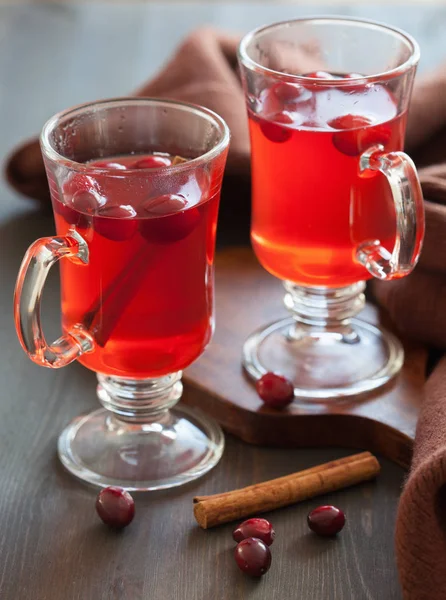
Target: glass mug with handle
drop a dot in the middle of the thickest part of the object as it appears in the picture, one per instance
(335, 201)
(135, 187)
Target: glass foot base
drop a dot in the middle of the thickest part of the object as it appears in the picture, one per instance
(326, 364)
(179, 447)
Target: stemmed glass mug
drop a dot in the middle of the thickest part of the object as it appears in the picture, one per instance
(135, 186)
(335, 201)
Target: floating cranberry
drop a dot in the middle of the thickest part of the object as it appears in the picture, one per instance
(349, 122)
(117, 223)
(379, 134)
(87, 202)
(71, 216)
(82, 196)
(274, 129)
(253, 557)
(288, 92)
(275, 390)
(151, 162)
(358, 134)
(257, 528)
(169, 222)
(115, 507)
(165, 204)
(326, 520)
(109, 164)
(79, 182)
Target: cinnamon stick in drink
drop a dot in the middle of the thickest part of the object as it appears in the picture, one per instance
(221, 508)
(105, 314)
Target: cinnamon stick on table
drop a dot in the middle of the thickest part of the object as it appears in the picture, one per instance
(261, 497)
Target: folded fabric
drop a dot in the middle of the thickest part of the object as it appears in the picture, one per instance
(204, 71)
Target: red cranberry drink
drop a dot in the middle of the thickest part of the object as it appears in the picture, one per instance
(145, 321)
(310, 207)
(135, 186)
(335, 200)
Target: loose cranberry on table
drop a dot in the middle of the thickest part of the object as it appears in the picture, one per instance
(326, 520)
(253, 557)
(275, 390)
(257, 528)
(115, 506)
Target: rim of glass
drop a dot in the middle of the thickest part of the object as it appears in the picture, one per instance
(251, 64)
(210, 115)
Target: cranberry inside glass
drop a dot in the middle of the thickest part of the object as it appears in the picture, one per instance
(253, 557)
(135, 187)
(335, 201)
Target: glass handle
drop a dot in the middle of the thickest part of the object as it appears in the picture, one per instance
(38, 260)
(409, 208)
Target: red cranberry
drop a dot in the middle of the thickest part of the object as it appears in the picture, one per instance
(165, 205)
(116, 223)
(275, 390)
(326, 520)
(151, 162)
(274, 130)
(82, 194)
(71, 216)
(79, 182)
(357, 134)
(109, 164)
(253, 557)
(87, 202)
(288, 92)
(348, 122)
(169, 223)
(115, 507)
(257, 528)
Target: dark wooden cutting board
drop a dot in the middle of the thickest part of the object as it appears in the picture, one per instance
(247, 297)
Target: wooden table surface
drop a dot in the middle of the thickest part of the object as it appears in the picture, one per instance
(52, 546)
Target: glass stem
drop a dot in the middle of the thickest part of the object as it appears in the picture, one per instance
(323, 309)
(140, 401)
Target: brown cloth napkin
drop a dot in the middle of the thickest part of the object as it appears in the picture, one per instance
(204, 71)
